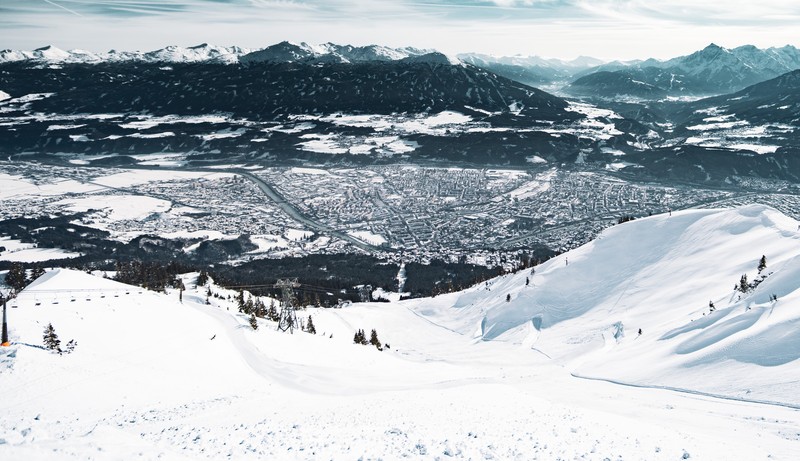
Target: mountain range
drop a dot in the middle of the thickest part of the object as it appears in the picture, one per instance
(354, 105)
(711, 71)
(280, 52)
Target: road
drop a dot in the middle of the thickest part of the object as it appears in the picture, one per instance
(295, 214)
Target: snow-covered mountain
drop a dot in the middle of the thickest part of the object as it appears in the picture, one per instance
(199, 53)
(761, 118)
(469, 375)
(670, 277)
(328, 52)
(531, 70)
(712, 70)
(250, 109)
(281, 52)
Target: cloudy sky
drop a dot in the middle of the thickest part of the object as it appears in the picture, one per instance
(607, 29)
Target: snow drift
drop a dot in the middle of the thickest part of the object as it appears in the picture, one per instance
(659, 274)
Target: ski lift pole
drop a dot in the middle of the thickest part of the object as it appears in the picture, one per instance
(5, 342)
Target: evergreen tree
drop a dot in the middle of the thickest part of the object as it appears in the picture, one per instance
(373, 339)
(272, 312)
(249, 307)
(743, 285)
(508, 298)
(51, 341)
(253, 321)
(16, 278)
(359, 337)
(202, 279)
(240, 300)
(310, 326)
(762, 264)
(259, 308)
(71, 344)
(37, 272)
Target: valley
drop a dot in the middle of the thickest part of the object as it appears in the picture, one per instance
(540, 251)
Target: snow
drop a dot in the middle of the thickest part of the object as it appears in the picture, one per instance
(616, 166)
(223, 134)
(541, 183)
(144, 122)
(65, 127)
(17, 186)
(161, 159)
(4, 96)
(322, 144)
(310, 171)
(17, 251)
(758, 148)
(133, 177)
(268, 242)
(717, 126)
(368, 237)
(467, 375)
(163, 134)
(726, 132)
(660, 281)
(118, 207)
(172, 53)
(297, 234)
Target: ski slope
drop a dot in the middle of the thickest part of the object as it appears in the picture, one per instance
(467, 375)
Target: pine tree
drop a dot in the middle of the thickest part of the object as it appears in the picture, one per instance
(51, 341)
(71, 345)
(16, 278)
(272, 312)
(249, 307)
(508, 298)
(259, 308)
(743, 285)
(202, 279)
(253, 321)
(310, 326)
(358, 338)
(762, 264)
(37, 272)
(373, 339)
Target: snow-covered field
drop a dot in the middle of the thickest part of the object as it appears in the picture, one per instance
(15, 250)
(725, 130)
(467, 375)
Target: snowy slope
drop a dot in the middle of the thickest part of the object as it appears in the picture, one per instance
(155, 378)
(658, 274)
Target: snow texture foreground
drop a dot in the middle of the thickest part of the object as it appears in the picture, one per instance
(468, 375)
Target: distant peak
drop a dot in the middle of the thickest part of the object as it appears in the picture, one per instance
(713, 47)
(433, 58)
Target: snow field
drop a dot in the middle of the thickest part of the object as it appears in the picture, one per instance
(468, 375)
(657, 274)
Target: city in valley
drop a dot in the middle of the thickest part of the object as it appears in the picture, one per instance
(402, 213)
